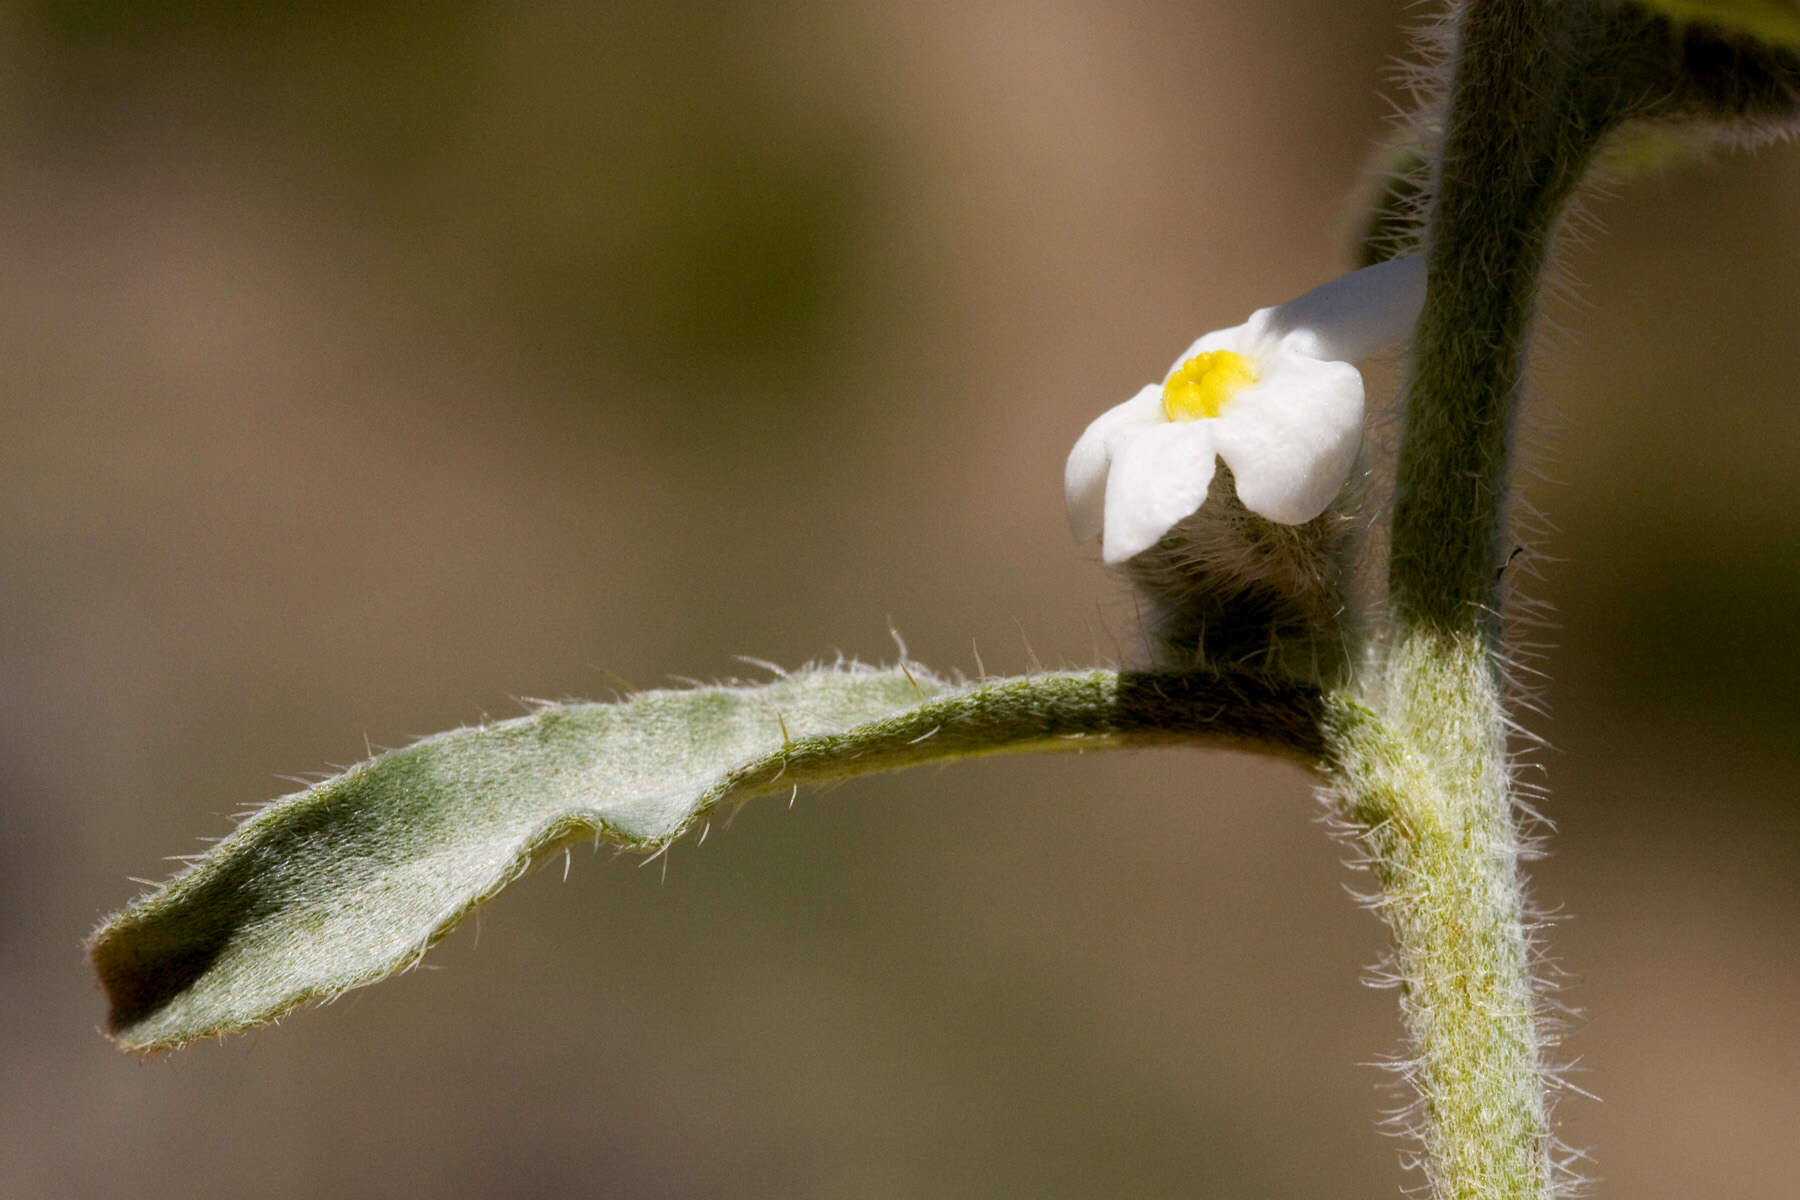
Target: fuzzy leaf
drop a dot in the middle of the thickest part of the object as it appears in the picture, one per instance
(353, 879)
(1776, 22)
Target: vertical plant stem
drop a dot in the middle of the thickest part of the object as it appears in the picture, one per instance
(1422, 760)
(1514, 149)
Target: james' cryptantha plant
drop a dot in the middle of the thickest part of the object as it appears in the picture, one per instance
(1229, 495)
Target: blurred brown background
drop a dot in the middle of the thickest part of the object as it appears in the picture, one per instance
(367, 365)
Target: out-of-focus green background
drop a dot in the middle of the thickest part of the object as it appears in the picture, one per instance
(368, 365)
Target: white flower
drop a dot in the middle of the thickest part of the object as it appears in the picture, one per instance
(1276, 397)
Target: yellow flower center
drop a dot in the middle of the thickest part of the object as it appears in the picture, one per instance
(1205, 383)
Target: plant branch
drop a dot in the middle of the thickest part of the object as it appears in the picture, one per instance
(1421, 758)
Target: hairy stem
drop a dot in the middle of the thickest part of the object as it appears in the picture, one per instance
(1513, 152)
(1424, 784)
(1423, 765)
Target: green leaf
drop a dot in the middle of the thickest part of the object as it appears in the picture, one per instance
(1776, 22)
(355, 878)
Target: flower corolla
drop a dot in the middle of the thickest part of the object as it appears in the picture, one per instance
(1277, 398)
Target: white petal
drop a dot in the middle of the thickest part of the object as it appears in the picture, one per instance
(1354, 315)
(1158, 477)
(1084, 476)
(1291, 439)
(1246, 339)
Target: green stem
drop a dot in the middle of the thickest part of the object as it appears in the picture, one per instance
(1513, 152)
(1422, 759)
